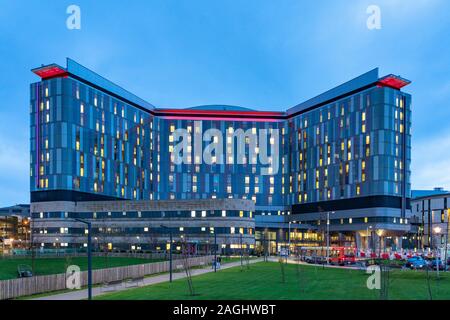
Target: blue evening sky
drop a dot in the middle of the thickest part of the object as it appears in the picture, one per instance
(261, 54)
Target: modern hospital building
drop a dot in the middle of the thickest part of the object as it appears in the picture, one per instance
(338, 163)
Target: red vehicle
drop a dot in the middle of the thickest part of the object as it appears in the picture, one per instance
(337, 255)
(342, 255)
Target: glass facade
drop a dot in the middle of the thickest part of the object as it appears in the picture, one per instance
(92, 138)
(91, 142)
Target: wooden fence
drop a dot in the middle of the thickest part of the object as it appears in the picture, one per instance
(14, 288)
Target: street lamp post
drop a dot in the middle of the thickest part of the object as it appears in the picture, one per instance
(288, 253)
(437, 230)
(446, 242)
(89, 256)
(328, 237)
(215, 251)
(369, 245)
(240, 242)
(170, 252)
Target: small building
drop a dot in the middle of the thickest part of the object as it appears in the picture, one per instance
(14, 226)
(430, 217)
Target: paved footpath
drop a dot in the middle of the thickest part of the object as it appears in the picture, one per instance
(97, 291)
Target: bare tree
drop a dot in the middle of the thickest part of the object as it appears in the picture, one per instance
(283, 272)
(300, 277)
(186, 266)
(384, 281)
(430, 295)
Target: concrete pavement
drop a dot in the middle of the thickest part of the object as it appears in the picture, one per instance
(97, 291)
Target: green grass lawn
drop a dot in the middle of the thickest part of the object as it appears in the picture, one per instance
(44, 266)
(264, 281)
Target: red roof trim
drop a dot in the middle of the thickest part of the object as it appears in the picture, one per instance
(188, 112)
(393, 82)
(51, 71)
(231, 118)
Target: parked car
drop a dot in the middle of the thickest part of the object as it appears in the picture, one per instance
(24, 271)
(439, 263)
(347, 259)
(361, 265)
(416, 263)
(316, 259)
